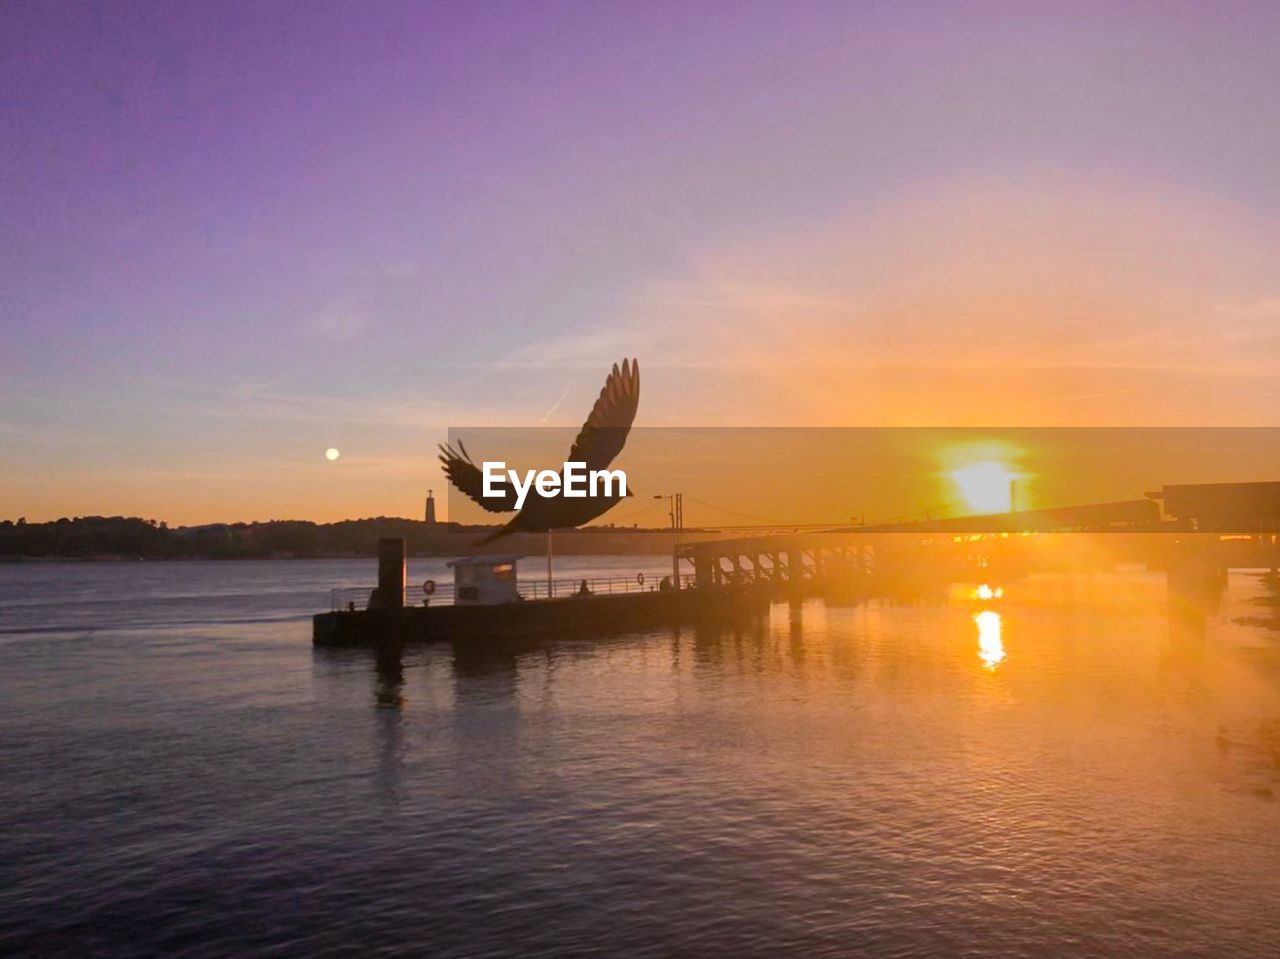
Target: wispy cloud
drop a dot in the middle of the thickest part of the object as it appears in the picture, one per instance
(741, 296)
(576, 349)
(401, 269)
(341, 319)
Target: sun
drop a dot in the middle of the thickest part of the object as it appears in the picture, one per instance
(331, 454)
(985, 486)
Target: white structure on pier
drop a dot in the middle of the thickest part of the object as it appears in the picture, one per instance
(484, 580)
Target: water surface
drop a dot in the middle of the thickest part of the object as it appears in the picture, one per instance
(1081, 768)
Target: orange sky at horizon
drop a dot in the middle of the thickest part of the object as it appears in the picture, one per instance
(967, 303)
(973, 305)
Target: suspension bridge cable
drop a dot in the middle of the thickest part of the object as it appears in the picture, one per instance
(639, 512)
(732, 512)
(1044, 492)
(920, 514)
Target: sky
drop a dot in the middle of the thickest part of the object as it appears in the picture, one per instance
(236, 235)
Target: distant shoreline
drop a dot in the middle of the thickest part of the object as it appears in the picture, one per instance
(113, 558)
(128, 539)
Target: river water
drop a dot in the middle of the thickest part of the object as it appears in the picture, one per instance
(1084, 767)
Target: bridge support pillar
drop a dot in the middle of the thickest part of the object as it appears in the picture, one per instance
(704, 572)
(795, 572)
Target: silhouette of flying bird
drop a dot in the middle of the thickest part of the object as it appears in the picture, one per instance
(599, 441)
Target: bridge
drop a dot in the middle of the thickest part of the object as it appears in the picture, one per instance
(1216, 526)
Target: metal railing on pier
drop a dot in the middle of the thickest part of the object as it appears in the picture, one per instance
(357, 597)
(605, 586)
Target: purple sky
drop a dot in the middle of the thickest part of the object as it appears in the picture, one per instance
(237, 234)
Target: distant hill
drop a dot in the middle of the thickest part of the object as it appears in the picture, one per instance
(93, 537)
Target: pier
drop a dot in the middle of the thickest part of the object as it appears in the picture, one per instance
(486, 601)
(1197, 533)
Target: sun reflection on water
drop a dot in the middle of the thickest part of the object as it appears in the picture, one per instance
(990, 643)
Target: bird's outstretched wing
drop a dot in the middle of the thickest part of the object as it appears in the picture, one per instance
(603, 434)
(467, 478)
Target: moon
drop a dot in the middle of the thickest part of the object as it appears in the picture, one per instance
(332, 453)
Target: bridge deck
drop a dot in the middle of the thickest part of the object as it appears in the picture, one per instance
(1130, 515)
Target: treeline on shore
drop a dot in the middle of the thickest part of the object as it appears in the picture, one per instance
(89, 537)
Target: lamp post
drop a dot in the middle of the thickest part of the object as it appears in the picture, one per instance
(675, 504)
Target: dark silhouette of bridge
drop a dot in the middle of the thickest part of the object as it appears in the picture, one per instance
(1212, 527)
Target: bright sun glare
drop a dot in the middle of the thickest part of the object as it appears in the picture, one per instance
(990, 641)
(331, 454)
(984, 486)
